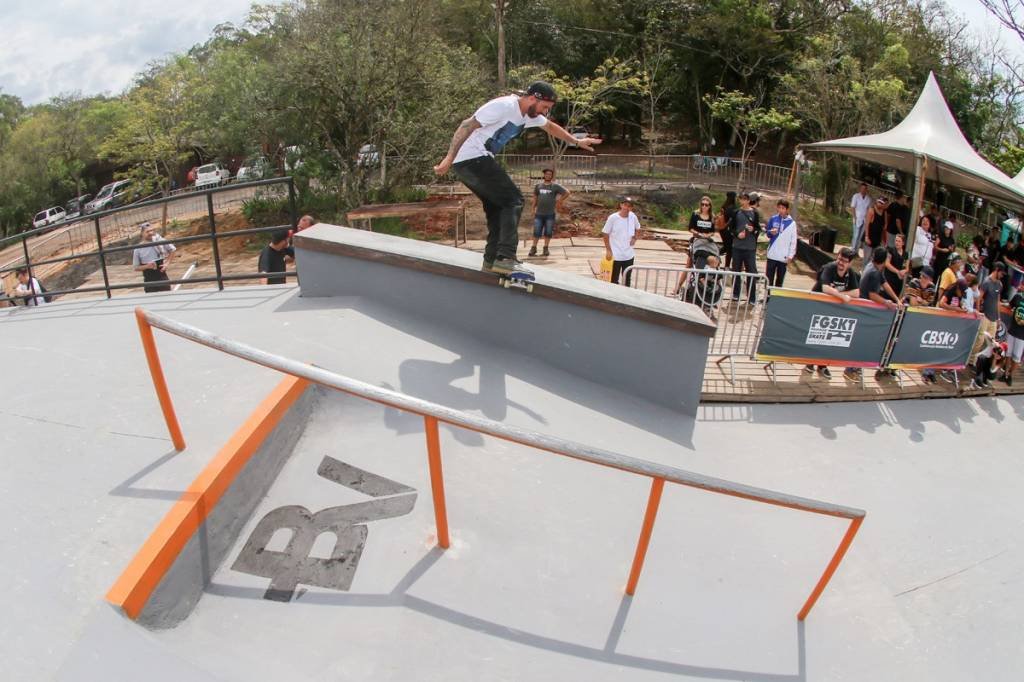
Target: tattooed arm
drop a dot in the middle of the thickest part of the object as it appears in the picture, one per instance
(462, 133)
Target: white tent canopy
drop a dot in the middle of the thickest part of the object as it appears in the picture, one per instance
(931, 133)
(1019, 178)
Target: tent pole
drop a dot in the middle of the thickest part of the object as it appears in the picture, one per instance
(915, 203)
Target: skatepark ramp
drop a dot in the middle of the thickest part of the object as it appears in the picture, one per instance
(169, 573)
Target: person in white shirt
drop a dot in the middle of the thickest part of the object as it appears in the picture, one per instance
(859, 205)
(619, 235)
(471, 157)
(782, 237)
(29, 286)
(923, 245)
(152, 261)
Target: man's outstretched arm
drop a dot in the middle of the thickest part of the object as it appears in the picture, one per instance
(462, 134)
(559, 133)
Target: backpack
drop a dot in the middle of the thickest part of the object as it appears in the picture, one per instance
(42, 290)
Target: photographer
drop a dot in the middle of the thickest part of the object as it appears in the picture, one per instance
(152, 260)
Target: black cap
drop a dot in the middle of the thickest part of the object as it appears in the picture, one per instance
(928, 272)
(542, 90)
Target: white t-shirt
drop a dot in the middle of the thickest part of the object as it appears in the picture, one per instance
(620, 232)
(500, 122)
(35, 289)
(860, 205)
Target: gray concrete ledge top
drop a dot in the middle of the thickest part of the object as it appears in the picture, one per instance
(551, 284)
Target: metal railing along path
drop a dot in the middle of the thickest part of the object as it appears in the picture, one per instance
(734, 301)
(433, 414)
(94, 232)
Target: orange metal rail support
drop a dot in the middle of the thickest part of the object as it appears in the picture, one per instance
(433, 413)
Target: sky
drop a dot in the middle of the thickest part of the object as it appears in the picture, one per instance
(50, 47)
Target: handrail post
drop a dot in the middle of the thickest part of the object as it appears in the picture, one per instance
(831, 568)
(657, 485)
(103, 256)
(214, 241)
(159, 382)
(436, 480)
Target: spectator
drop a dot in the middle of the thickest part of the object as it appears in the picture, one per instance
(873, 285)
(275, 257)
(782, 237)
(702, 229)
(746, 228)
(619, 235)
(29, 286)
(897, 217)
(153, 260)
(993, 250)
(971, 293)
(945, 247)
(860, 203)
(920, 292)
(988, 304)
(874, 227)
(951, 274)
(548, 197)
(305, 222)
(921, 254)
(1014, 338)
(990, 359)
(727, 212)
(952, 297)
(836, 279)
(896, 266)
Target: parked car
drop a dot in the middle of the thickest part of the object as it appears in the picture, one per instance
(111, 196)
(368, 156)
(211, 175)
(255, 168)
(74, 208)
(579, 132)
(48, 217)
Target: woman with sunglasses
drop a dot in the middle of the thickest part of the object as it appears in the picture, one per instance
(702, 227)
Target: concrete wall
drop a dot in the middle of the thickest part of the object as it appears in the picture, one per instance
(645, 345)
(182, 586)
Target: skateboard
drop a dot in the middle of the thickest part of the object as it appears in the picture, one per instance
(517, 280)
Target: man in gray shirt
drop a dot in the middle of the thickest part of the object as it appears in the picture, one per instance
(548, 197)
(988, 305)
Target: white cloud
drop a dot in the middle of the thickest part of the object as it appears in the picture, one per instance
(95, 46)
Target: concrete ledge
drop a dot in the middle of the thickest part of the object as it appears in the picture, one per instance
(166, 578)
(603, 332)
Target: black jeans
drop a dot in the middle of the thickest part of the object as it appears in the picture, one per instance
(744, 260)
(776, 272)
(618, 267)
(502, 200)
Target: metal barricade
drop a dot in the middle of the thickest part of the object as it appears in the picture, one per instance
(734, 301)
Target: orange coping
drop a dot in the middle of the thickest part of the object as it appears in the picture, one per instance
(156, 556)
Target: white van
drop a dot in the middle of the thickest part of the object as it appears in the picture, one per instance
(48, 217)
(211, 175)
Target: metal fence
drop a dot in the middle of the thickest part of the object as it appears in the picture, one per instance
(101, 235)
(734, 301)
(971, 222)
(597, 170)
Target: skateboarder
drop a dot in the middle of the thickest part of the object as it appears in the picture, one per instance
(471, 156)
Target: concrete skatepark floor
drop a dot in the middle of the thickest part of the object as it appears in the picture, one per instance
(532, 587)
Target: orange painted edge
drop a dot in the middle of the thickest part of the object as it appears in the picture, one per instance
(133, 588)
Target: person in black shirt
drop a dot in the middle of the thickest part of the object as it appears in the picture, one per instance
(874, 233)
(746, 227)
(702, 229)
(837, 278)
(873, 286)
(896, 266)
(728, 210)
(897, 215)
(945, 246)
(275, 257)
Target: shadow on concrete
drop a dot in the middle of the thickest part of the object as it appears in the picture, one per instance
(911, 415)
(126, 489)
(433, 381)
(399, 597)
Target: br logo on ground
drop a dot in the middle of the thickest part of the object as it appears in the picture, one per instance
(831, 330)
(937, 339)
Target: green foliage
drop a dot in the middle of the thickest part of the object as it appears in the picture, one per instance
(1009, 159)
(750, 121)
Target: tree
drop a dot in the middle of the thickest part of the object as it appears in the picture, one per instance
(159, 129)
(750, 121)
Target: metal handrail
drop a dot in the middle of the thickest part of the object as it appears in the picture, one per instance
(434, 413)
(102, 251)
